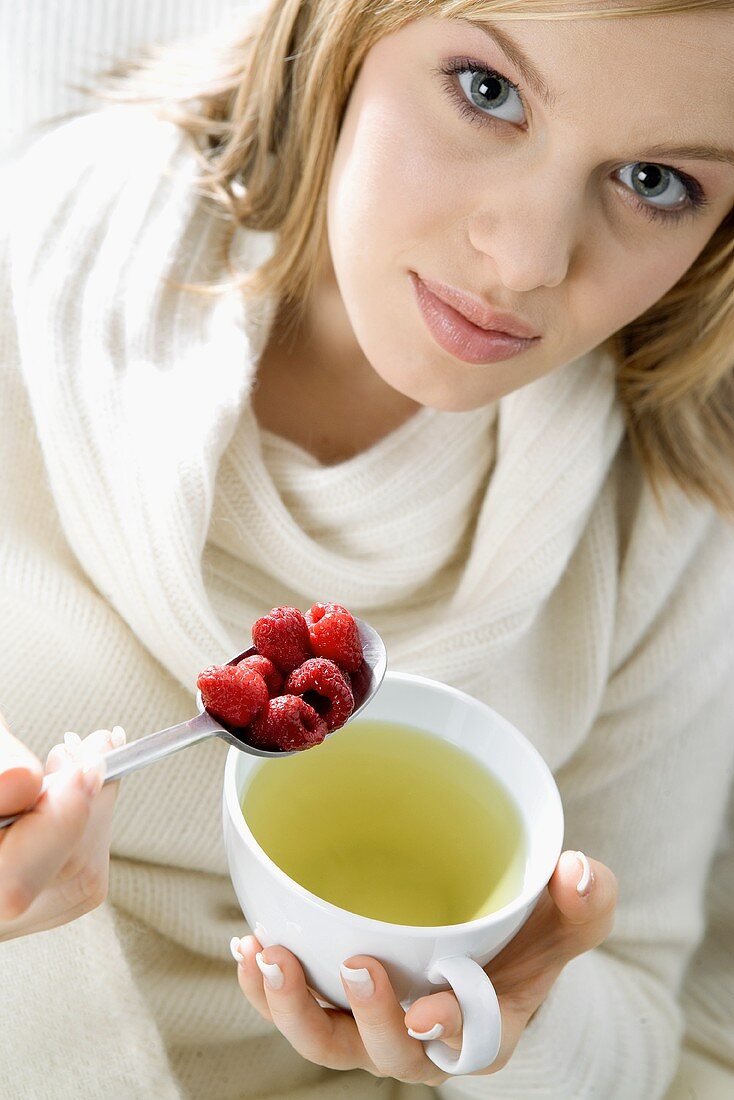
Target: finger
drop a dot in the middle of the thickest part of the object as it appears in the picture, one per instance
(21, 774)
(92, 853)
(63, 754)
(99, 742)
(72, 749)
(79, 751)
(584, 893)
(87, 753)
(437, 1016)
(380, 1019)
(320, 1035)
(58, 758)
(248, 975)
(39, 843)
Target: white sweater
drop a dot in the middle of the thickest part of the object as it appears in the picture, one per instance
(515, 552)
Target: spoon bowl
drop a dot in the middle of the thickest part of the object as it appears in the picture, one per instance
(156, 746)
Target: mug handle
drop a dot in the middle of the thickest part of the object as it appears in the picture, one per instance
(480, 1012)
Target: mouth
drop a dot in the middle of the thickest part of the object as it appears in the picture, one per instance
(479, 313)
(467, 328)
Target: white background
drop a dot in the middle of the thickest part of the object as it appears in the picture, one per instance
(48, 45)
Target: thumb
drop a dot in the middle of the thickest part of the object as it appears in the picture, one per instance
(584, 892)
(21, 773)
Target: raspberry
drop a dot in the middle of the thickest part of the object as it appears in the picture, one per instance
(232, 694)
(287, 722)
(361, 681)
(317, 611)
(325, 687)
(282, 637)
(333, 634)
(268, 671)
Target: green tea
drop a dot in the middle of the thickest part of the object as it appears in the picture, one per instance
(390, 822)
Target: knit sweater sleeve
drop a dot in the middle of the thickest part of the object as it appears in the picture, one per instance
(646, 794)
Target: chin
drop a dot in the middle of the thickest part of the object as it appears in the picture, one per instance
(442, 395)
(432, 378)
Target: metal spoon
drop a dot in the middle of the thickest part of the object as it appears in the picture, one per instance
(155, 746)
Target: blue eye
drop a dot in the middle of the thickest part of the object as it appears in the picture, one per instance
(656, 184)
(486, 96)
(490, 91)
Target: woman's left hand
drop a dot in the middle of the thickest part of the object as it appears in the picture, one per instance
(574, 914)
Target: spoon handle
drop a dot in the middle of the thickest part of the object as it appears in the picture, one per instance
(155, 746)
(146, 750)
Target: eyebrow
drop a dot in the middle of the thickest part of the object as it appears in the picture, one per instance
(520, 60)
(714, 152)
(535, 79)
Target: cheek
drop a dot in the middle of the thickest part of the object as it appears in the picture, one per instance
(388, 194)
(630, 280)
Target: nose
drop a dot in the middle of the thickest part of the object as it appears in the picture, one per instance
(529, 232)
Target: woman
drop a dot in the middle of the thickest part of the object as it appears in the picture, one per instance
(532, 519)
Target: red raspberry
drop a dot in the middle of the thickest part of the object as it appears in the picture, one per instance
(317, 611)
(232, 694)
(282, 637)
(333, 633)
(287, 722)
(361, 681)
(325, 687)
(268, 671)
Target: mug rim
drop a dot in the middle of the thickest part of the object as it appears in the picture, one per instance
(524, 898)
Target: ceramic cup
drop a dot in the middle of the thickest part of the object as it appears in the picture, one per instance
(418, 960)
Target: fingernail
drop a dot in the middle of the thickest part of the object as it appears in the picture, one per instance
(435, 1033)
(583, 886)
(92, 778)
(58, 753)
(117, 737)
(72, 741)
(271, 972)
(359, 981)
(234, 946)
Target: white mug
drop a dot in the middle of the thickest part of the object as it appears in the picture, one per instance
(419, 960)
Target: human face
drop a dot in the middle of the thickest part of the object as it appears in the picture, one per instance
(565, 214)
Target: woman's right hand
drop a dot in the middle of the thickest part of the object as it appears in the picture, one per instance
(54, 861)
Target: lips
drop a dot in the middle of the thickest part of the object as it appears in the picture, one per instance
(479, 313)
(454, 333)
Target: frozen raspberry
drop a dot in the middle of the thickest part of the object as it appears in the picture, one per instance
(325, 687)
(287, 722)
(282, 637)
(232, 694)
(333, 633)
(268, 671)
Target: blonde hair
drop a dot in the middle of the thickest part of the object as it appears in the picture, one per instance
(265, 109)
